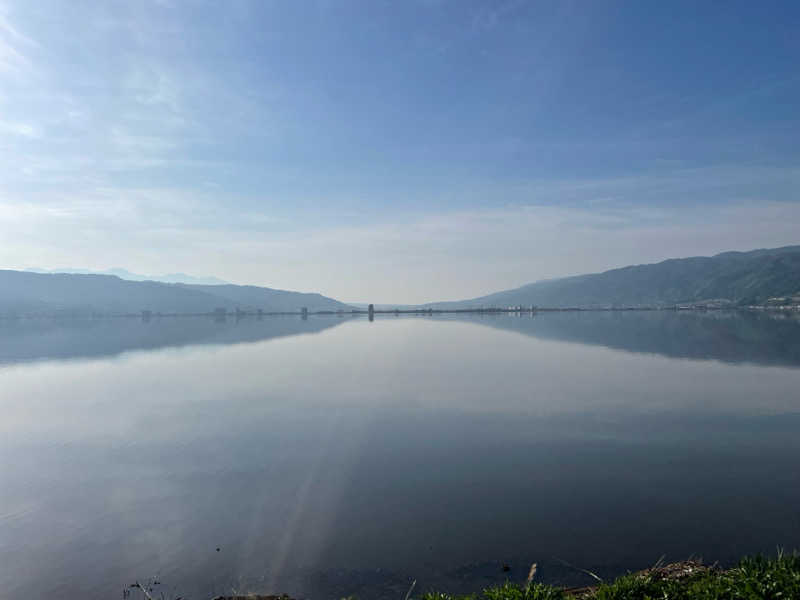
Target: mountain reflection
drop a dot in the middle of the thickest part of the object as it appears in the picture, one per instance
(728, 336)
(25, 340)
(734, 337)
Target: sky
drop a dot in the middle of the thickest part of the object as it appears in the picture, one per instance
(395, 151)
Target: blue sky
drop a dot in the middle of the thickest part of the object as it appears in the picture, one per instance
(395, 151)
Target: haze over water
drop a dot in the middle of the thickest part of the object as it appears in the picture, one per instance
(335, 455)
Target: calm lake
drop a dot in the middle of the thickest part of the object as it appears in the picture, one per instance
(334, 456)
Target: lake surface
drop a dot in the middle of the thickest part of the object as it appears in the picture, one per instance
(334, 456)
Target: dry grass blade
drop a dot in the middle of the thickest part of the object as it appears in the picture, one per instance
(589, 573)
(411, 589)
(531, 575)
(144, 591)
(659, 562)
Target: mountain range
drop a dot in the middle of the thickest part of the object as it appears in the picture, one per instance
(25, 293)
(739, 278)
(735, 278)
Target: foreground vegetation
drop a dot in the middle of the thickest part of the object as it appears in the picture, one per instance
(755, 578)
(752, 579)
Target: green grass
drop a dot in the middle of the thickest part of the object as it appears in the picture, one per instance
(507, 591)
(755, 578)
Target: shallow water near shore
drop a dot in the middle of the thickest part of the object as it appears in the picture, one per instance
(334, 455)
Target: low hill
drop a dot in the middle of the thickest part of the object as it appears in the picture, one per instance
(260, 297)
(24, 293)
(738, 277)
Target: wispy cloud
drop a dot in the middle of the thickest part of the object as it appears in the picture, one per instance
(21, 129)
(152, 87)
(13, 45)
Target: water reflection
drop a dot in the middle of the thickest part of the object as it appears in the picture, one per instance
(371, 453)
(754, 337)
(23, 340)
(730, 336)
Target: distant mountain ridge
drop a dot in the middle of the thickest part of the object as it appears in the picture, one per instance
(26, 293)
(125, 274)
(740, 278)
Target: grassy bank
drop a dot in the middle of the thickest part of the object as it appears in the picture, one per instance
(752, 579)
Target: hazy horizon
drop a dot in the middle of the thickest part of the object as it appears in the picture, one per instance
(385, 153)
(211, 279)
